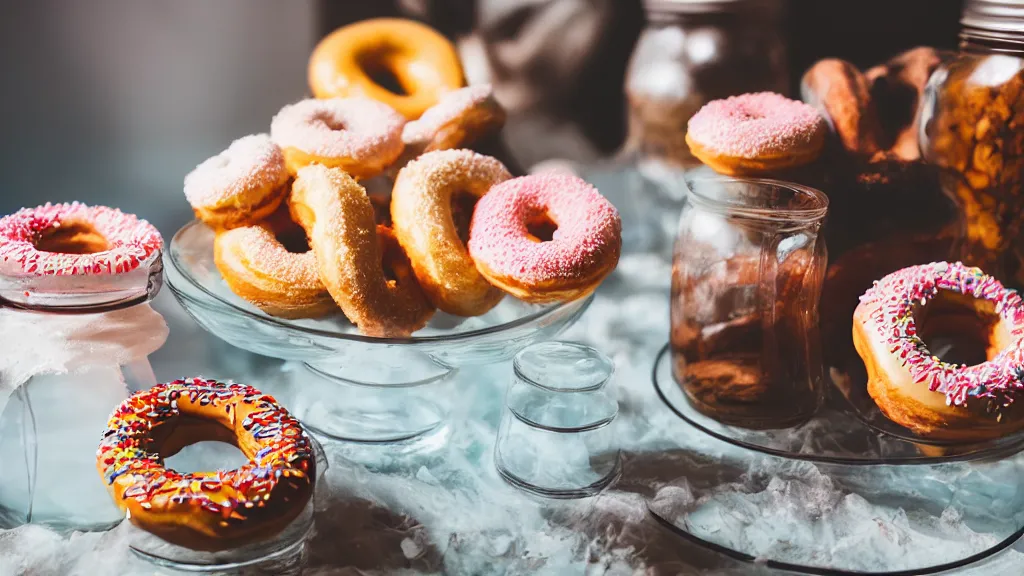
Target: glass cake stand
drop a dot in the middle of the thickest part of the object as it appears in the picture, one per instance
(787, 498)
(357, 388)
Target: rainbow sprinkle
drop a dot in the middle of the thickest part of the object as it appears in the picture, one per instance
(134, 241)
(892, 301)
(285, 453)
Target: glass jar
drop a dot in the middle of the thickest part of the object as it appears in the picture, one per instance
(75, 346)
(746, 279)
(694, 51)
(972, 127)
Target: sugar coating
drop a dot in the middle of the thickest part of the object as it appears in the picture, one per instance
(450, 108)
(894, 299)
(356, 128)
(589, 229)
(133, 241)
(249, 165)
(755, 125)
(268, 257)
(433, 170)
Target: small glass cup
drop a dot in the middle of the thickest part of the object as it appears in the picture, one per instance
(746, 279)
(556, 437)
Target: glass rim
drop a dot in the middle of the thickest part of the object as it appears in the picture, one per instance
(601, 356)
(807, 215)
(182, 269)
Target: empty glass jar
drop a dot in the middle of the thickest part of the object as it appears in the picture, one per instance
(746, 279)
(556, 437)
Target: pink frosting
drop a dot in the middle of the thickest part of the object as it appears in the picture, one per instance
(133, 241)
(356, 128)
(589, 229)
(754, 125)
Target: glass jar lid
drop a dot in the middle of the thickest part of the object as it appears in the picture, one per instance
(996, 20)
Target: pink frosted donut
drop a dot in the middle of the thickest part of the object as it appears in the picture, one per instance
(754, 134)
(358, 135)
(240, 186)
(75, 239)
(458, 119)
(510, 224)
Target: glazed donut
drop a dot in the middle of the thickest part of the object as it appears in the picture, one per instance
(843, 96)
(239, 186)
(207, 510)
(422, 211)
(423, 62)
(461, 118)
(339, 221)
(755, 134)
(259, 268)
(75, 240)
(897, 88)
(583, 249)
(360, 136)
(916, 389)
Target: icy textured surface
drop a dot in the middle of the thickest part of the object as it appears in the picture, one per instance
(450, 512)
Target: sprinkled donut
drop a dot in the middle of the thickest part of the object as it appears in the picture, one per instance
(358, 135)
(207, 510)
(754, 134)
(916, 389)
(422, 213)
(75, 240)
(239, 186)
(583, 249)
(459, 119)
(367, 273)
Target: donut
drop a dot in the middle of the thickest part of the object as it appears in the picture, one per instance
(973, 400)
(360, 136)
(208, 511)
(754, 134)
(75, 240)
(426, 193)
(843, 96)
(508, 237)
(461, 118)
(897, 88)
(369, 278)
(259, 268)
(349, 61)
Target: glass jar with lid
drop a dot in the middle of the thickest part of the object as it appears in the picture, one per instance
(972, 127)
(694, 51)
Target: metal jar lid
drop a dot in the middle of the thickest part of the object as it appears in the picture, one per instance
(998, 20)
(668, 8)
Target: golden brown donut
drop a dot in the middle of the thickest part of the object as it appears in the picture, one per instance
(897, 88)
(843, 95)
(913, 387)
(422, 213)
(461, 118)
(239, 186)
(423, 63)
(207, 510)
(339, 221)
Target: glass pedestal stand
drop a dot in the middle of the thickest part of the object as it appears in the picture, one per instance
(800, 498)
(394, 392)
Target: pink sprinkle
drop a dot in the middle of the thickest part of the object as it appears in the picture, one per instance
(588, 235)
(755, 125)
(356, 128)
(133, 241)
(250, 163)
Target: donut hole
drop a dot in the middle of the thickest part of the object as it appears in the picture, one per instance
(462, 206)
(74, 237)
(375, 64)
(294, 241)
(190, 444)
(961, 329)
(541, 228)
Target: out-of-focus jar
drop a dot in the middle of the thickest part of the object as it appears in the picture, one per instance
(972, 127)
(694, 51)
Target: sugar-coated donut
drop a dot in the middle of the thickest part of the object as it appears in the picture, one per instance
(423, 62)
(239, 186)
(339, 221)
(422, 213)
(207, 510)
(754, 134)
(461, 118)
(260, 269)
(358, 135)
(916, 389)
(75, 240)
(583, 249)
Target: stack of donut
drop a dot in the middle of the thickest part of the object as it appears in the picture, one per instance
(298, 236)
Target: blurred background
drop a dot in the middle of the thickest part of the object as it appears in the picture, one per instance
(114, 101)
